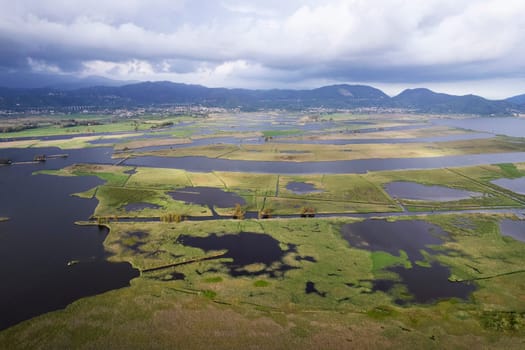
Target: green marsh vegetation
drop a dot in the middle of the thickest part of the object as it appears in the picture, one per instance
(476, 179)
(156, 303)
(91, 124)
(286, 152)
(349, 193)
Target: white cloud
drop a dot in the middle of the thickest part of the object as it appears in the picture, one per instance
(289, 41)
(42, 67)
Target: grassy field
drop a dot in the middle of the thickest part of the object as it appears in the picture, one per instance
(70, 143)
(475, 179)
(350, 193)
(433, 131)
(325, 152)
(340, 193)
(108, 124)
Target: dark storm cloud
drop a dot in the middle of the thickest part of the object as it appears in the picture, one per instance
(233, 42)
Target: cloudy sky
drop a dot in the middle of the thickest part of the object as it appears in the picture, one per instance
(454, 46)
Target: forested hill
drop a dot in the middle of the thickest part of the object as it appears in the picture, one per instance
(334, 96)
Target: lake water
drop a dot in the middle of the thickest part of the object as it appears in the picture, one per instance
(510, 126)
(416, 191)
(40, 239)
(424, 284)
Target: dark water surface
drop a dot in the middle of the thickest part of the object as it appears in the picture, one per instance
(416, 191)
(40, 239)
(513, 228)
(141, 206)
(245, 248)
(310, 288)
(301, 187)
(425, 284)
(359, 166)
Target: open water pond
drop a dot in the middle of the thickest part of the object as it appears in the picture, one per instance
(416, 191)
(301, 188)
(424, 284)
(515, 185)
(245, 249)
(513, 228)
(209, 196)
(310, 288)
(141, 206)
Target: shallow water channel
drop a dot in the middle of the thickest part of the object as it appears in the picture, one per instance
(358, 166)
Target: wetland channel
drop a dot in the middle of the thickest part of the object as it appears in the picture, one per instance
(47, 261)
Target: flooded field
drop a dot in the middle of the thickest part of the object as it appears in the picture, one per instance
(415, 191)
(301, 188)
(515, 185)
(416, 239)
(513, 228)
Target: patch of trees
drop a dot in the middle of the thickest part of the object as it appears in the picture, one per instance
(238, 212)
(307, 212)
(70, 123)
(172, 217)
(20, 127)
(265, 213)
(162, 125)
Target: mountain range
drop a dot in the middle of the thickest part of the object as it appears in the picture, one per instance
(145, 94)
